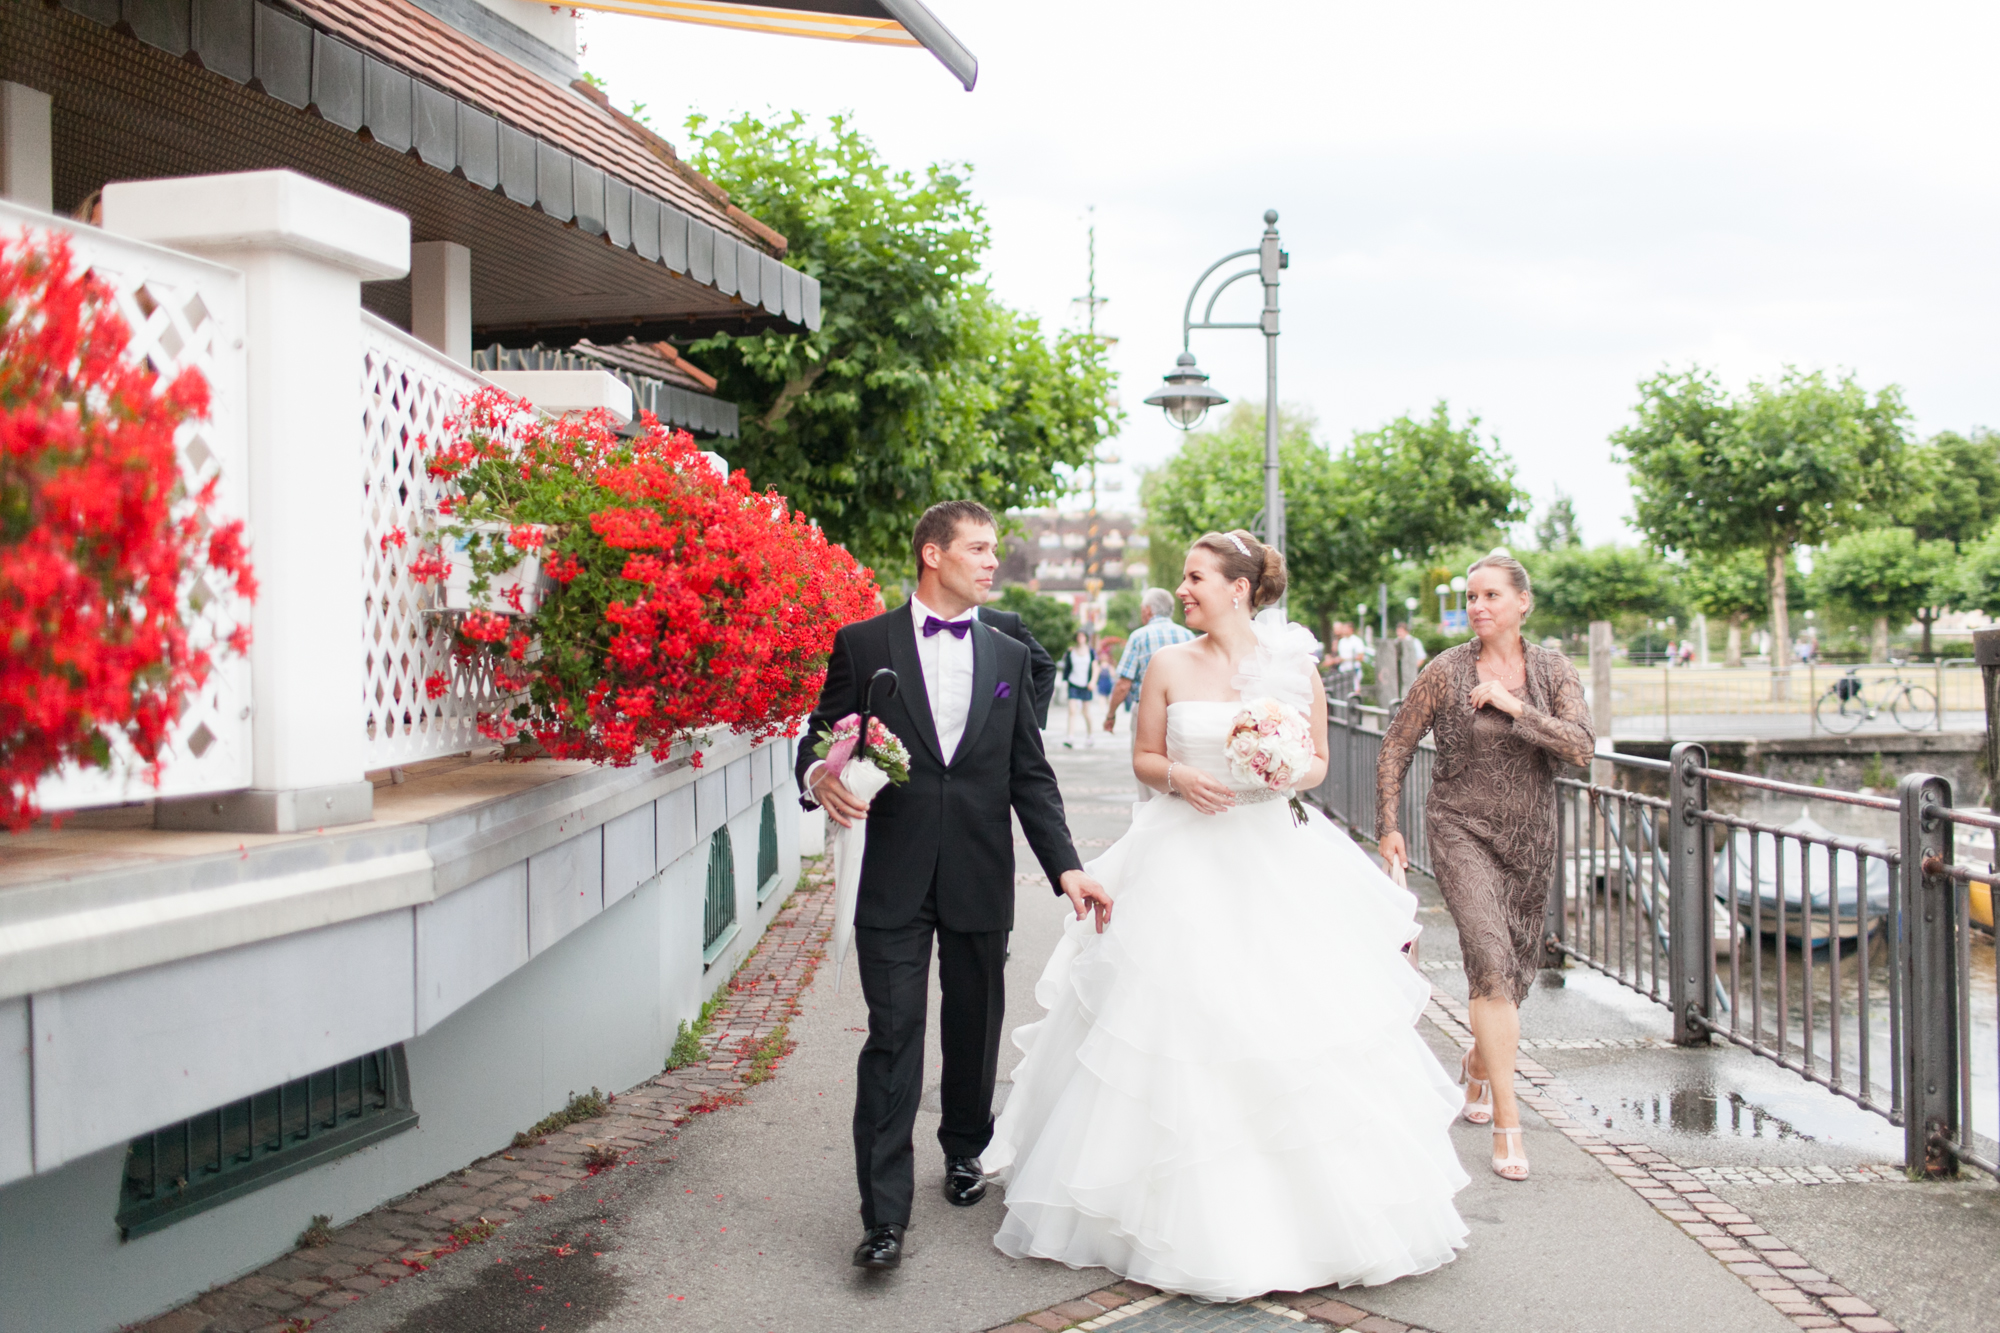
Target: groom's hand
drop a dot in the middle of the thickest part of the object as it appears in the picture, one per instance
(841, 804)
(1086, 895)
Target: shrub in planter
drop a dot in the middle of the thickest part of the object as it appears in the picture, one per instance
(674, 600)
(97, 537)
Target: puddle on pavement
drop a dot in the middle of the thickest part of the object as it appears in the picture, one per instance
(561, 1284)
(1741, 1106)
(1702, 1111)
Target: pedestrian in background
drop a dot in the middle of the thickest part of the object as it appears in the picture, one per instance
(1505, 715)
(1350, 650)
(1404, 636)
(1079, 672)
(1156, 630)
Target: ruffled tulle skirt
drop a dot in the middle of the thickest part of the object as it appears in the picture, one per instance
(1229, 1095)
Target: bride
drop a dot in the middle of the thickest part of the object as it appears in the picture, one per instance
(1228, 1095)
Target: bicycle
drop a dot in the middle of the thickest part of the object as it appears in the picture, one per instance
(1913, 706)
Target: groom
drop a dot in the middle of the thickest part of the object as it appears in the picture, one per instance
(940, 859)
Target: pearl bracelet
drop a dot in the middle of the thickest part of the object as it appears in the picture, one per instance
(1170, 779)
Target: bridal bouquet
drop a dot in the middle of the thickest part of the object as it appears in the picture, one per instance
(883, 762)
(1271, 743)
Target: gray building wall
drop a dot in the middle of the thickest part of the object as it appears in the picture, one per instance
(530, 989)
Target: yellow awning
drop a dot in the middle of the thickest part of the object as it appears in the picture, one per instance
(882, 22)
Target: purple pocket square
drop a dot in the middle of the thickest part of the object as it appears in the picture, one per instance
(1003, 690)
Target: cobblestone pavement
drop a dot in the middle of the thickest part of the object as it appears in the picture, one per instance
(1134, 1307)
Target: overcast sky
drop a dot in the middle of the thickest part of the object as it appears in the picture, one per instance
(1523, 209)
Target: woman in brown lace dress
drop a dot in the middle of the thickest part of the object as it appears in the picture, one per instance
(1505, 714)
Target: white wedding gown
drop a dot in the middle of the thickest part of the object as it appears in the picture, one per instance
(1229, 1095)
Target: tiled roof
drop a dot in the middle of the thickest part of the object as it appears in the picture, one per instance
(658, 359)
(430, 49)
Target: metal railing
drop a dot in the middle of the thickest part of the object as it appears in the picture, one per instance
(1354, 736)
(1607, 908)
(1857, 963)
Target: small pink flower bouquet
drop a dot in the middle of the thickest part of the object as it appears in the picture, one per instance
(885, 750)
(1270, 743)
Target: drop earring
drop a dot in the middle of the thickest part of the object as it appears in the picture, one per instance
(1236, 603)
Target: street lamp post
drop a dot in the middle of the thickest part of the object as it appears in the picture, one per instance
(1185, 395)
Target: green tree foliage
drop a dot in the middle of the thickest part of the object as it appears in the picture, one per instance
(1215, 482)
(1423, 483)
(1557, 529)
(919, 386)
(1796, 461)
(1953, 492)
(1734, 589)
(1400, 493)
(1887, 576)
(1575, 585)
(1976, 584)
(1052, 623)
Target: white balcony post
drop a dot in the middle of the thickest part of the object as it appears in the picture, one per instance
(304, 249)
(27, 159)
(441, 297)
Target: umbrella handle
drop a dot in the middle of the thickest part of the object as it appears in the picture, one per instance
(882, 676)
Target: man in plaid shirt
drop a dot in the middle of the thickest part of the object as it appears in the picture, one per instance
(1156, 630)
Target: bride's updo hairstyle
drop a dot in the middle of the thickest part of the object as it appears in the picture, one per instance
(1241, 556)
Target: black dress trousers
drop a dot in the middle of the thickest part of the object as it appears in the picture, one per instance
(895, 969)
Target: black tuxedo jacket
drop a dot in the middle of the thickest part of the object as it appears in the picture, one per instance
(1040, 664)
(949, 822)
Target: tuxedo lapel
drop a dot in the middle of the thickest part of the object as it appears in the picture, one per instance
(916, 700)
(985, 672)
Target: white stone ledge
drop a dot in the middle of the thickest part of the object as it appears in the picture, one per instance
(64, 932)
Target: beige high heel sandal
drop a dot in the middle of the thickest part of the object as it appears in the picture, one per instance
(1513, 1166)
(1478, 1112)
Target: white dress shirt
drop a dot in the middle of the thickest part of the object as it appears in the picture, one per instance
(947, 662)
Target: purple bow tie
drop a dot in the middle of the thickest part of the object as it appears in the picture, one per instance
(958, 629)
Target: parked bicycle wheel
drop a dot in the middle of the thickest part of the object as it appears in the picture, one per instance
(1837, 714)
(1915, 708)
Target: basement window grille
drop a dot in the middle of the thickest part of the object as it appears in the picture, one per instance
(767, 851)
(718, 917)
(241, 1146)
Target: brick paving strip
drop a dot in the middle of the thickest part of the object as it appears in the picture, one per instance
(1766, 1264)
(1122, 1301)
(746, 1041)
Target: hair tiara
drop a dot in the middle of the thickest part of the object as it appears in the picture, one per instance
(1237, 543)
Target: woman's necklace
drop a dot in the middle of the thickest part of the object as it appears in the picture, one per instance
(1510, 679)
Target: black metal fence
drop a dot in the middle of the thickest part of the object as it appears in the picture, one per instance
(1854, 962)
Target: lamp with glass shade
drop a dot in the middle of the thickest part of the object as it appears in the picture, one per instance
(1185, 396)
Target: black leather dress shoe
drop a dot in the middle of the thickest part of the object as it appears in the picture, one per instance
(964, 1184)
(880, 1250)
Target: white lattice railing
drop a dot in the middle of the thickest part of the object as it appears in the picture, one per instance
(408, 391)
(183, 312)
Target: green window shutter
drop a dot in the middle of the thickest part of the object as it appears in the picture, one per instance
(718, 918)
(767, 851)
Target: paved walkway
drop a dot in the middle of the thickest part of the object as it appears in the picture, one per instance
(1673, 1190)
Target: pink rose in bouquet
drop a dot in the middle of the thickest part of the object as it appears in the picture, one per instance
(1270, 743)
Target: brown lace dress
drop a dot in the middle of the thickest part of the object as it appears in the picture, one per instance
(1491, 812)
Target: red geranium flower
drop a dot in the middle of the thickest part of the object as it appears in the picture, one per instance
(683, 603)
(97, 535)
